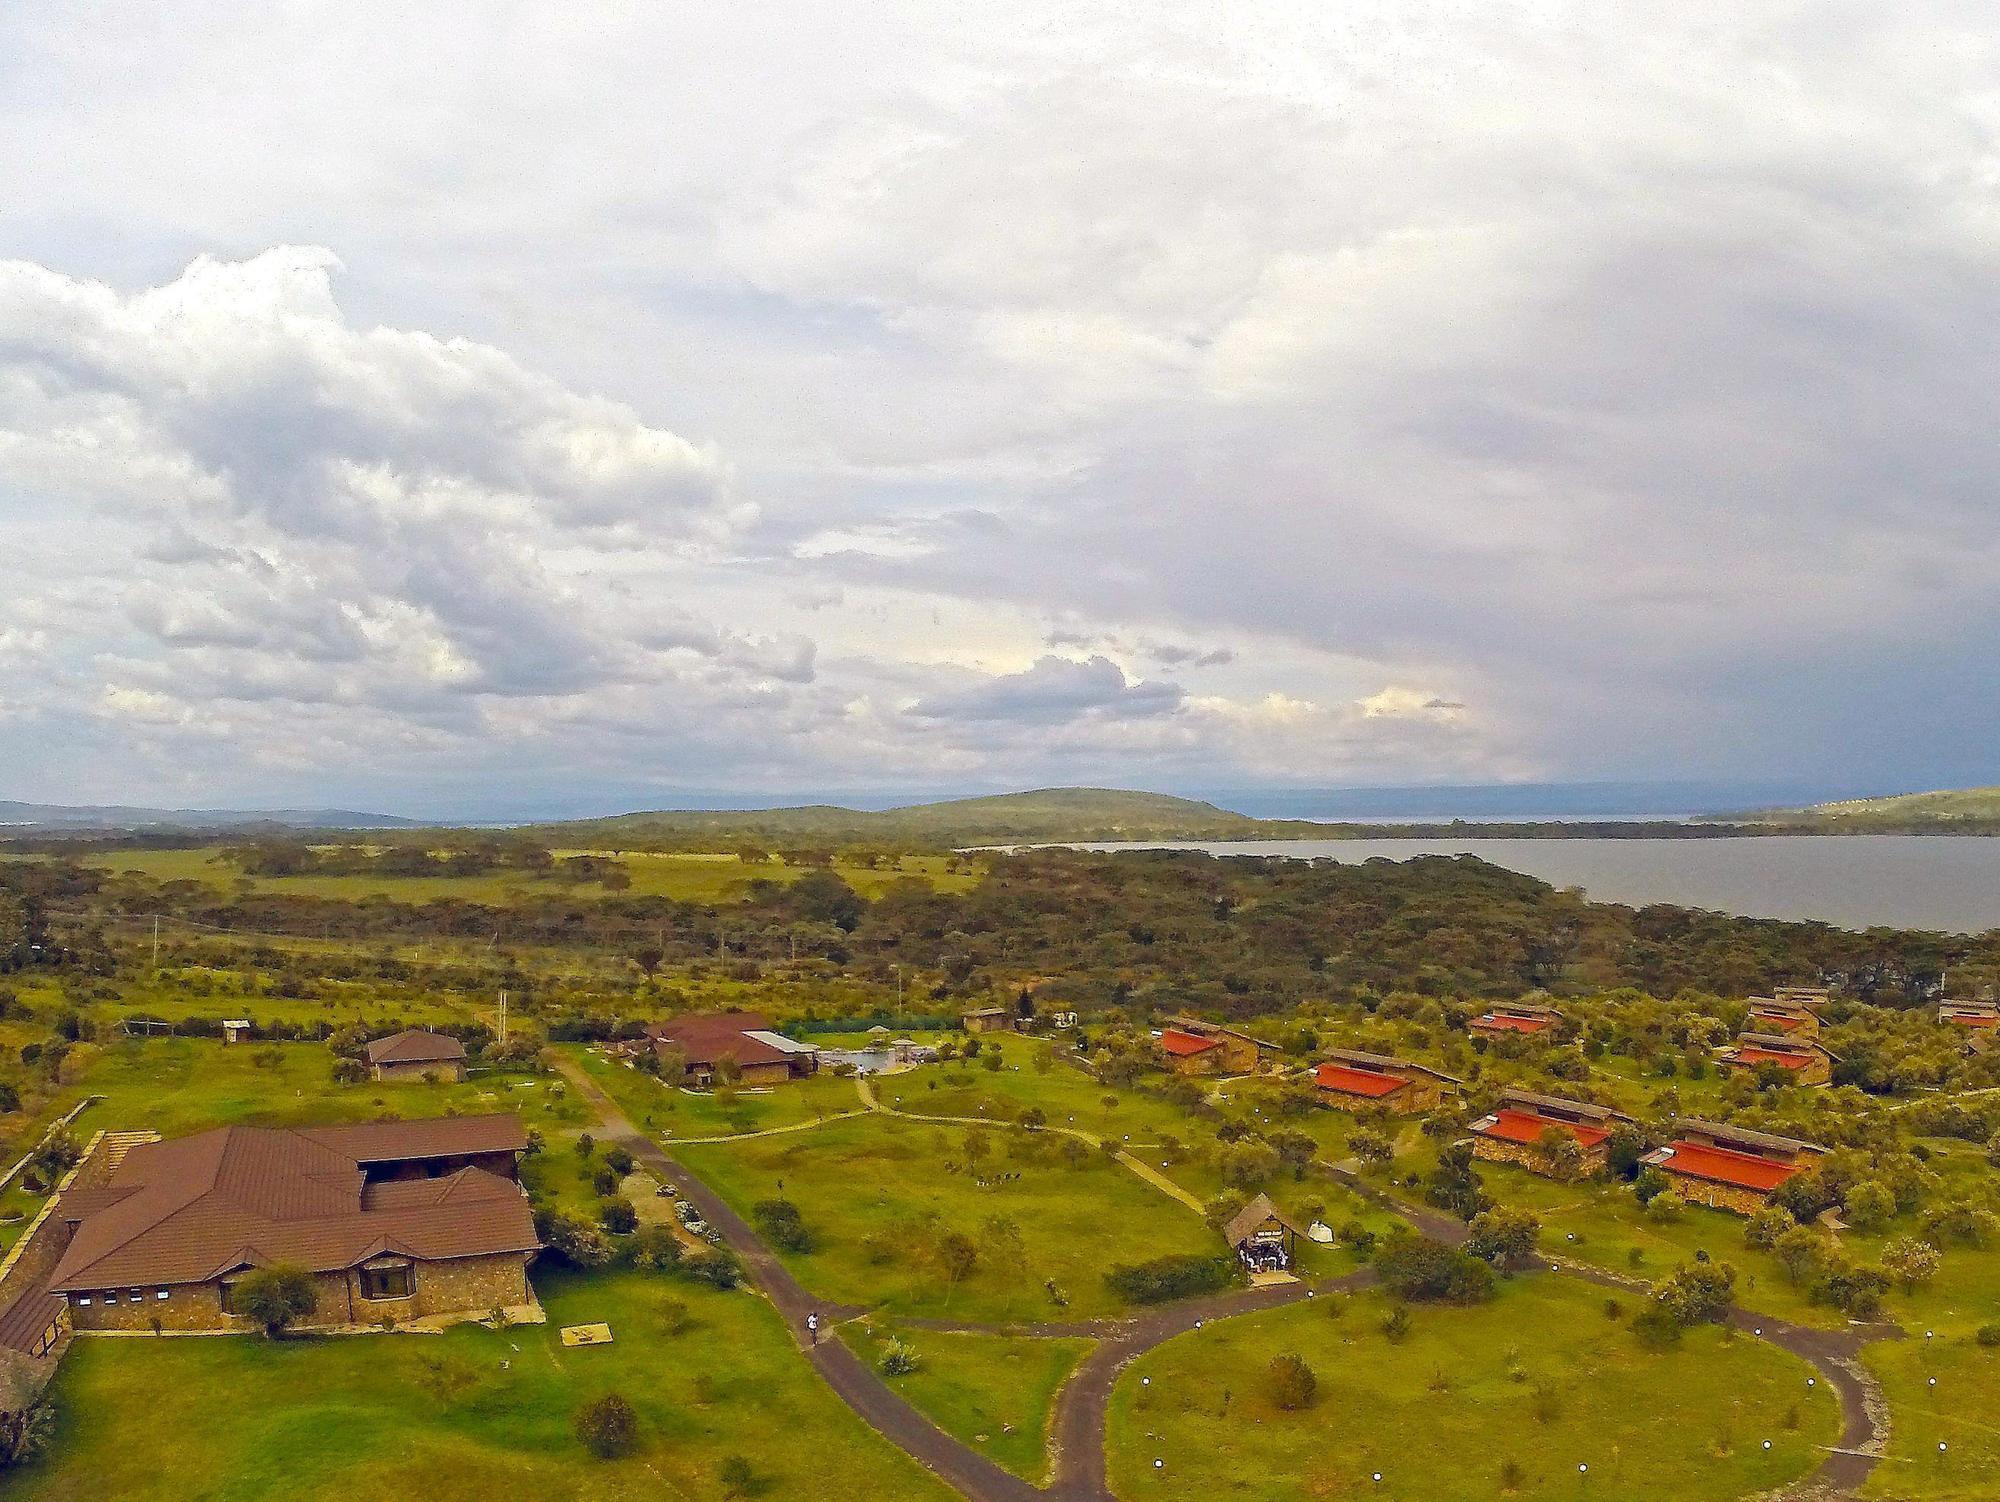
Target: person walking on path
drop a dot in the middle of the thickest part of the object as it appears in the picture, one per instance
(812, 1326)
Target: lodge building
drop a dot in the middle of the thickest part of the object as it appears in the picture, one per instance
(1191, 1046)
(1513, 1131)
(1728, 1167)
(1770, 1014)
(1805, 1059)
(1514, 1019)
(762, 1056)
(1356, 1081)
(395, 1221)
(416, 1054)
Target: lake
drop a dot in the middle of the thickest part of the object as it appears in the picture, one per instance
(1942, 882)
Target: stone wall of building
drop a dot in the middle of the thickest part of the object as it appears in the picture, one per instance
(432, 1069)
(469, 1285)
(1717, 1196)
(1525, 1155)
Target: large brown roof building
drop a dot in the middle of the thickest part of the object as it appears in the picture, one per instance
(395, 1220)
(762, 1055)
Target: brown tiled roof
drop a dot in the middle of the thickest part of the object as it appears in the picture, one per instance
(198, 1207)
(426, 1137)
(705, 1039)
(416, 1046)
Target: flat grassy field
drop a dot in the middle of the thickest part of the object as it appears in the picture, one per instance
(1441, 1415)
(676, 1113)
(686, 878)
(995, 1392)
(1956, 1413)
(180, 1085)
(469, 1416)
(884, 1178)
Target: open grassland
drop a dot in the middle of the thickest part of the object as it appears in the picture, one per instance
(1540, 1378)
(995, 1392)
(684, 877)
(879, 1194)
(180, 1085)
(470, 1416)
(676, 1113)
(1944, 1440)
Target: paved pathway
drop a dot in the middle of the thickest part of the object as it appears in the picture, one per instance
(1077, 1429)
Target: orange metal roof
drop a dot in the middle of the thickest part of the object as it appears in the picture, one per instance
(1752, 1055)
(1524, 1126)
(1181, 1044)
(1785, 1022)
(1721, 1166)
(1500, 1022)
(1345, 1081)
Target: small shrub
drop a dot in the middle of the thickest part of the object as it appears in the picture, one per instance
(1396, 1327)
(1173, 1277)
(898, 1359)
(607, 1427)
(1291, 1383)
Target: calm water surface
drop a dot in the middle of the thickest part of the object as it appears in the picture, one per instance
(1855, 881)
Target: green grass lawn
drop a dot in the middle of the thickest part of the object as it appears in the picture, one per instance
(684, 877)
(882, 1177)
(1957, 1413)
(180, 1085)
(994, 1392)
(665, 1112)
(469, 1416)
(1065, 1094)
(1441, 1414)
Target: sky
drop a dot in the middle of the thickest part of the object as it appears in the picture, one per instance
(479, 407)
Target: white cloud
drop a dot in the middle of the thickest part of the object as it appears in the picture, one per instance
(706, 389)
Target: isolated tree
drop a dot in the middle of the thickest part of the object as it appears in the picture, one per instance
(1911, 1262)
(607, 1426)
(1504, 1237)
(276, 1297)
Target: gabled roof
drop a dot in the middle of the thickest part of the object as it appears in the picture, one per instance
(427, 1137)
(706, 1040)
(1253, 1215)
(1381, 1061)
(1719, 1165)
(1365, 1082)
(1728, 1135)
(1181, 1045)
(1508, 1022)
(195, 1208)
(1526, 1127)
(1529, 1100)
(1205, 1029)
(1792, 1053)
(416, 1046)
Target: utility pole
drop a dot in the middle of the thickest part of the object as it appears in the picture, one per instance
(156, 942)
(503, 1016)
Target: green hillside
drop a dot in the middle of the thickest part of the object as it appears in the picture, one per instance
(1000, 819)
(1953, 810)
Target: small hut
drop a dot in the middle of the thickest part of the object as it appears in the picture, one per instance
(1261, 1236)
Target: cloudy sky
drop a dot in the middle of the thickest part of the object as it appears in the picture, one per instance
(469, 407)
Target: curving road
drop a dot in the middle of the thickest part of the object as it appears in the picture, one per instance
(1078, 1425)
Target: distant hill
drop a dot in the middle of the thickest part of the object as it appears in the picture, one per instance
(113, 817)
(1949, 811)
(999, 819)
